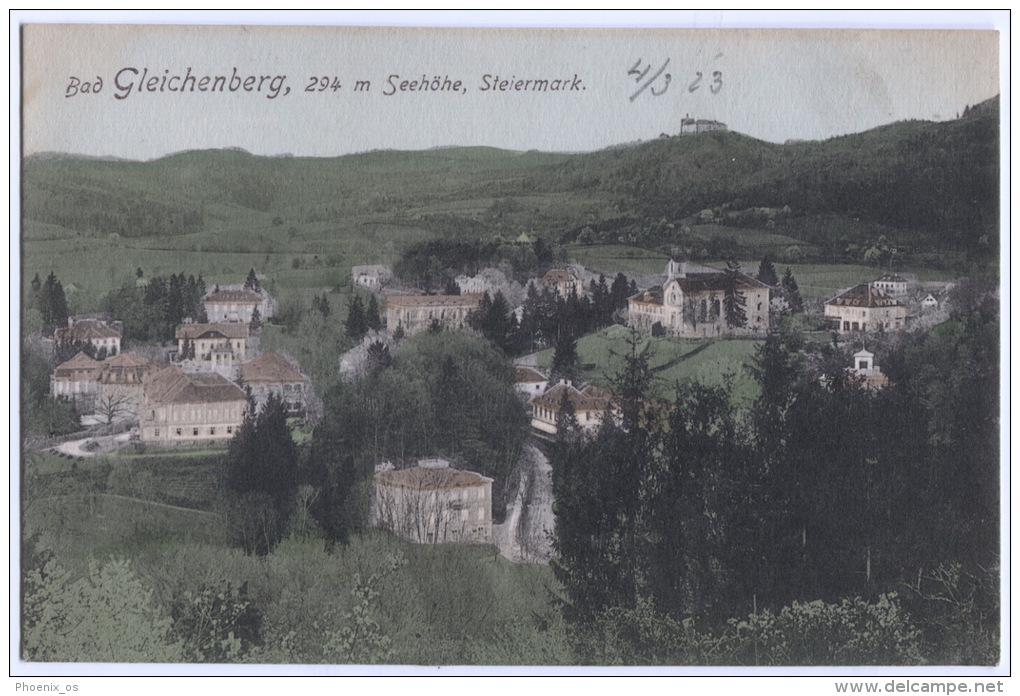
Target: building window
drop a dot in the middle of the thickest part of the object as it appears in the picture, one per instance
(194, 431)
(212, 431)
(179, 433)
(230, 429)
(156, 432)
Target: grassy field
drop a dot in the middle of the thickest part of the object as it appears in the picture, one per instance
(672, 361)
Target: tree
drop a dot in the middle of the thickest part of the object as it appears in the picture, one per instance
(36, 284)
(112, 404)
(217, 623)
(357, 323)
(262, 467)
(139, 273)
(372, 314)
(767, 272)
(451, 287)
(256, 320)
(252, 282)
(565, 364)
(734, 300)
(53, 303)
(792, 292)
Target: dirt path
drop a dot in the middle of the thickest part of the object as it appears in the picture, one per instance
(526, 535)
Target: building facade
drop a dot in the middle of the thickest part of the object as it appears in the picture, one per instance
(891, 285)
(371, 277)
(589, 405)
(693, 304)
(434, 505)
(565, 281)
(867, 309)
(870, 374)
(529, 382)
(271, 373)
(223, 306)
(76, 378)
(183, 408)
(121, 384)
(104, 337)
(414, 313)
(219, 345)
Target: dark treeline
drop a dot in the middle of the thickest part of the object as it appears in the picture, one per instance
(547, 317)
(154, 311)
(685, 517)
(431, 264)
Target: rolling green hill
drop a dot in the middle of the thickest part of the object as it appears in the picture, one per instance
(929, 191)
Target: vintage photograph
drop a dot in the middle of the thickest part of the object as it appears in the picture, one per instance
(509, 346)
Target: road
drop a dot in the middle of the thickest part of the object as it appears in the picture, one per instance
(526, 534)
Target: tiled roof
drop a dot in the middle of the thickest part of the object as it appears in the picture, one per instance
(558, 276)
(270, 368)
(86, 330)
(126, 368)
(233, 297)
(528, 375)
(470, 299)
(172, 385)
(863, 295)
(590, 399)
(127, 360)
(234, 329)
(79, 362)
(891, 279)
(420, 478)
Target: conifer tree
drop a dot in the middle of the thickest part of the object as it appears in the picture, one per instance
(767, 272)
(372, 314)
(734, 300)
(792, 292)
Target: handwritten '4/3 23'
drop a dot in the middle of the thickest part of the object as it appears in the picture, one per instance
(658, 82)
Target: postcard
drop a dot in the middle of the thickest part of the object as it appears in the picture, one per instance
(378, 347)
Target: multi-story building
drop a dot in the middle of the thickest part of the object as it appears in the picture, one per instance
(434, 505)
(76, 378)
(693, 304)
(271, 373)
(589, 406)
(564, 281)
(867, 309)
(413, 313)
(220, 345)
(179, 407)
(120, 385)
(230, 305)
(104, 337)
(371, 277)
(892, 285)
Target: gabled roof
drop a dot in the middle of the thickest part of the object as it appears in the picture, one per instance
(528, 375)
(591, 398)
(86, 330)
(471, 299)
(172, 385)
(891, 279)
(224, 330)
(270, 368)
(233, 297)
(127, 360)
(79, 362)
(558, 276)
(863, 295)
(429, 479)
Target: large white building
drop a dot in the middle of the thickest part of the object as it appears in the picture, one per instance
(230, 305)
(867, 309)
(692, 304)
(182, 408)
(434, 504)
(414, 313)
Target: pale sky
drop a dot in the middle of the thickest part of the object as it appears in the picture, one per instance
(771, 84)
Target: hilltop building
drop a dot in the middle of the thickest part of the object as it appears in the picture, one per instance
(691, 304)
(690, 125)
(865, 308)
(179, 407)
(434, 504)
(414, 313)
(271, 373)
(103, 336)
